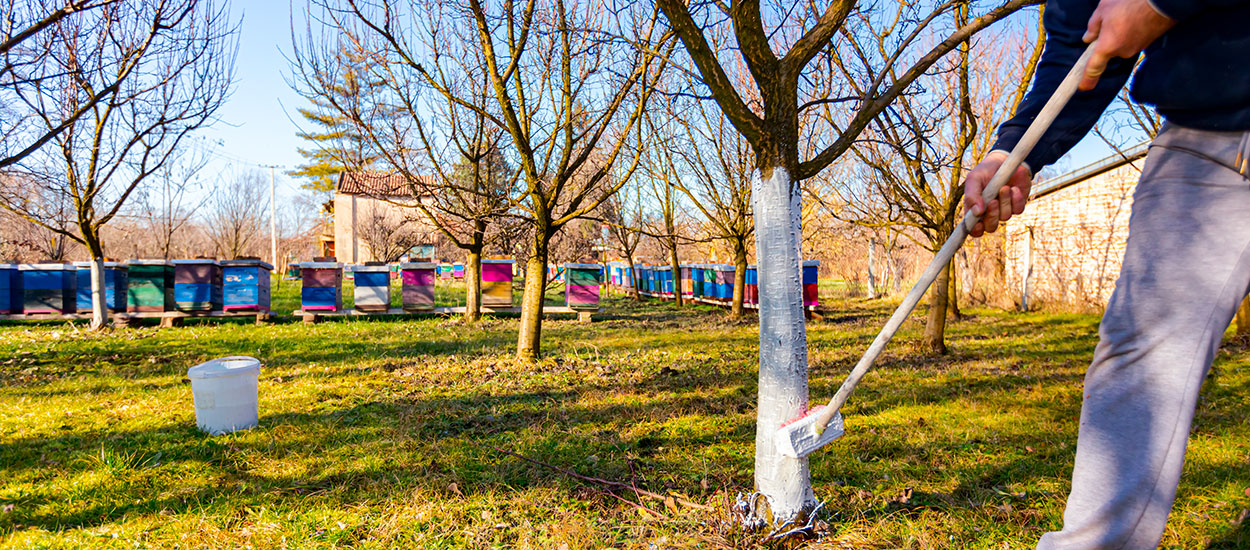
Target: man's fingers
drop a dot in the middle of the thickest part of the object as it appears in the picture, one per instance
(991, 216)
(978, 230)
(1004, 203)
(1093, 71)
(1018, 198)
(1094, 28)
(972, 195)
(1098, 61)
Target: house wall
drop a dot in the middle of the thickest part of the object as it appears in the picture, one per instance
(354, 213)
(1070, 243)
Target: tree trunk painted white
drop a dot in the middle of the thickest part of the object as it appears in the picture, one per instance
(786, 482)
(99, 305)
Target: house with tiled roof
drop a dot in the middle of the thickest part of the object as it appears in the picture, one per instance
(1066, 249)
(375, 218)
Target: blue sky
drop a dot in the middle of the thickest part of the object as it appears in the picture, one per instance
(257, 123)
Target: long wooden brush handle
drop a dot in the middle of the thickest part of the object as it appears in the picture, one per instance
(1022, 149)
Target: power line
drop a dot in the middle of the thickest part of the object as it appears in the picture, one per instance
(209, 147)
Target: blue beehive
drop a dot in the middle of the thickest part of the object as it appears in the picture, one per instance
(751, 292)
(245, 285)
(664, 280)
(10, 289)
(197, 285)
(322, 286)
(115, 282)
(373, 287)
(49, 288)
(725, 281)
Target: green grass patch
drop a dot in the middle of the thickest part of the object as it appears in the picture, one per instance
(368, 428)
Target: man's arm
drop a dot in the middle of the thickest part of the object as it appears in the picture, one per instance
(1123, 29)
(1067, 23)
(1180, 10)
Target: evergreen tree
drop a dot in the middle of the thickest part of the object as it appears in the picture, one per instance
(336, 143)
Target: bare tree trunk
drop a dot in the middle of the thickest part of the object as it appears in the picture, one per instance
(737, 309)
(1243, 320)
(952, 293)
(473, 278)
(473, 285)
(872, 277)
(935, 328)
(891, 271)
(786, 482)
(633, 276)
(672, 261)
(896, 265)
(529, 337)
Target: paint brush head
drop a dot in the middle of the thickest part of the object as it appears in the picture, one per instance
(800, 437)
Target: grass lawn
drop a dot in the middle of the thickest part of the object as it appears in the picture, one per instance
(368, 431)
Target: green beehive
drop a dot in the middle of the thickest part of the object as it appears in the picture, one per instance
(150, 287)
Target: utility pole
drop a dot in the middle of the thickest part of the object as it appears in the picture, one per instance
(273, 222)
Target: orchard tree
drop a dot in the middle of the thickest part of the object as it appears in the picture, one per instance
(236, 220)
(567, 81)
(916, 153)
(625, 216)
(794, 67)
(27, 29)
(436, 134)
(719, 166)
(173, 196)
(664, 184)
(108, 96)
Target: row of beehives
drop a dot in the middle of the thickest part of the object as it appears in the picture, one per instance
(203, 286)
(137, 286)
(443, 270)
(708, 283)
(323, 286)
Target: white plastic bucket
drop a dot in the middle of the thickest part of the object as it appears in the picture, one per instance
(225, 394)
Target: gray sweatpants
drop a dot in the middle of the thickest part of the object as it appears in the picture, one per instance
(1186, 268)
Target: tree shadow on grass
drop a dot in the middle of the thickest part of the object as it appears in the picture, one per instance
(664, 426)
(1237, 538)
(424, 441)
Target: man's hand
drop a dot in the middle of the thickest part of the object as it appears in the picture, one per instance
(1011, 197)
(1123, 28)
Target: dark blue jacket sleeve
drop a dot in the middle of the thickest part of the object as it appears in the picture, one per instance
(1181, 10)
(1065, 21)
